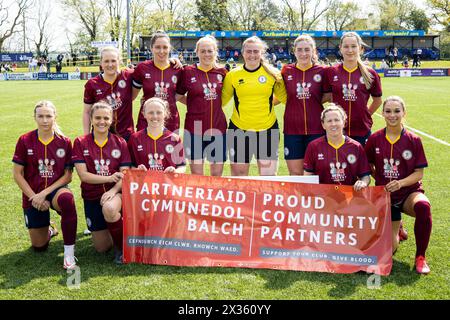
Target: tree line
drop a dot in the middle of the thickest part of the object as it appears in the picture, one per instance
(99, 20)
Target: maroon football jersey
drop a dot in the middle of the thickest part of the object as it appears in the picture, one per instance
(305, 90)
(161, 83)
(396, 160)
(103, 160)
(204, 103)
(156, 153)
(118, 95)
(336, 164)
(44, 163)
(350, 92)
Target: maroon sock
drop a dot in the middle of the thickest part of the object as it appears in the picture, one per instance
(116, 230)
(422, 226)
(68, 217)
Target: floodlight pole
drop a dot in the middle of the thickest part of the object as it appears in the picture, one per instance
(128, 34)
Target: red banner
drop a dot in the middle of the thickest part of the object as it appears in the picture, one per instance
(188, 220)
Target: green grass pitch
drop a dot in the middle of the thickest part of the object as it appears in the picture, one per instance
(27, 275)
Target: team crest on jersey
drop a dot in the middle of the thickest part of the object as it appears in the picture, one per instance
(407, 154)
(219, 77)
(320, 156)
(169, 148)
(155, 162)
(116, 153)
(147, 76)
(317, 78)
(162, 90)
(60, 153)
(45, 167)
(140, 148)
(30, 152)
(361, 80)
(349, 91)
(193, 80)
(174, 79)
(210, 91)
(390, 167)
(262, 79)
(102, 167)
(303, 90)
(351, 158)
(337, 171)
(122, 84)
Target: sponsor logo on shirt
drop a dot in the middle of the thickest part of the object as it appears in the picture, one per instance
(337, 171)
(349, 91)
(155, 161)
(303, 90)
(147, 76)
(377, 150)
(174, 79)
(30, 152)
(102, 166)
(140, 148)
(290, 77)
(85, 152)
(320, 156)
(114, 100)
(390, 168)
(99, 92)
(162, 90)
(219, 77)
(210, 91)
(317, 78)
(335, 78)
(193, 80)
(45, 167)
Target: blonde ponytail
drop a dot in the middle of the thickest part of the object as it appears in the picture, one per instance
(367, 76)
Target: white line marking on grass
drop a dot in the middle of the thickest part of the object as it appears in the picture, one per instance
(423, 134)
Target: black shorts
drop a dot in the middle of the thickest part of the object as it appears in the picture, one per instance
(397, 205)
(213, 148)
(244, 144)
(362, 140)
(396, 212)
(295, 145)
(95, 220)
(39, 219)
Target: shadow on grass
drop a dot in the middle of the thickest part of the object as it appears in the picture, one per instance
(20, 268)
